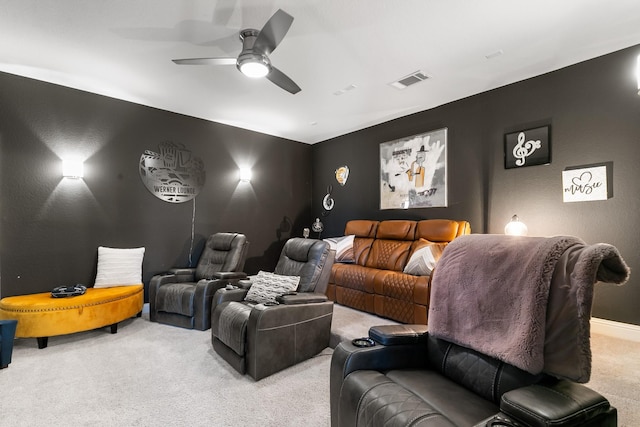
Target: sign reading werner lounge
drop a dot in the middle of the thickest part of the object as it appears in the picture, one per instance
(174, 174)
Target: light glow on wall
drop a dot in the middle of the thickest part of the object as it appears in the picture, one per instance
(638, 74)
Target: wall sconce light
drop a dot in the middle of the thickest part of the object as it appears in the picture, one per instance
(72, 168)
(515, 227)
(638, 74)
(245, 174)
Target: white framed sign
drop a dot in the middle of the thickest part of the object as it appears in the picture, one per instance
(585, 184)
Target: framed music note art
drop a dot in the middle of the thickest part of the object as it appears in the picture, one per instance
(527, 148)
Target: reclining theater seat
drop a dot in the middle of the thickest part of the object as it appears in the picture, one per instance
(261, 339)
(182, 297)
(375, 282)
(508, 342)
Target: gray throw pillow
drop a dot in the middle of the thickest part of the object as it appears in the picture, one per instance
(267, 286)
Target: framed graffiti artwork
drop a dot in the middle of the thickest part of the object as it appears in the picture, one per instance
(413, 171)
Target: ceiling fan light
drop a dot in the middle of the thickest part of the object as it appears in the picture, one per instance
(255, 70)
(253, 65)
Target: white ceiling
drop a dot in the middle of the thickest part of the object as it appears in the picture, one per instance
(123, 49)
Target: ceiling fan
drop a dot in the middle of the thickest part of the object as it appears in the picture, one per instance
(254, 61)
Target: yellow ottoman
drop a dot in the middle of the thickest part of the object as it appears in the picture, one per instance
(41, 316)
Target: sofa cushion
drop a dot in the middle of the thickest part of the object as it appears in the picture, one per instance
(361, 249)
(354, 276)
(222, 252)
(424, 258)
(306, 258)
(267, 286)
(401, 296)
(361, 228)
(119, 267)
(445, 395)
(396, 230)
(401, 286)
(440, 230)
(343, 247)
(389, 254)
(410, 397)
(176, 298)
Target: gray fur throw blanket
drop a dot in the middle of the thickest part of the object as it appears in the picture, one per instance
(523, 300)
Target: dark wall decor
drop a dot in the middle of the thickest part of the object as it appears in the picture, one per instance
(591, 120)
(527, 148)
(413, 171)
(327, 201)
(342, 174)
(174, 175)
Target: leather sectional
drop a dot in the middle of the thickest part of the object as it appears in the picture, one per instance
(375, 282)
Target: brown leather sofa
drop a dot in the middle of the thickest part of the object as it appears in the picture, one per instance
(375, 282)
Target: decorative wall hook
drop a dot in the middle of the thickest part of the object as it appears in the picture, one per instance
(342, 174)
(327, 202)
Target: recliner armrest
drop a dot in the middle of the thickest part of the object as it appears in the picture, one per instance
(399, 334)
(186, 274)
(226, 295)
(229, 275)
(301, 298)
(162, 279)
(245, 283)
(558, 403)
(348, 358)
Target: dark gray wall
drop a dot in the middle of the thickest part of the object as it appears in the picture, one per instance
(51, 227)
(594, 112)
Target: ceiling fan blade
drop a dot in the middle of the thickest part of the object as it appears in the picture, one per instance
(279, 78)
(273, 32)
(205, 61)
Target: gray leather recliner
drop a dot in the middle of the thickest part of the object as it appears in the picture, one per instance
(410, 378)
(260, 339)
(182, 296)
(507, 344)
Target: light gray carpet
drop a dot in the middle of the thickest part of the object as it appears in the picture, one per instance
(348, 324)
(150, 374)
(615, 373)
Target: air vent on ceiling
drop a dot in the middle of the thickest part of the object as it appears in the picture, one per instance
(345, 90)
(409, 80)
